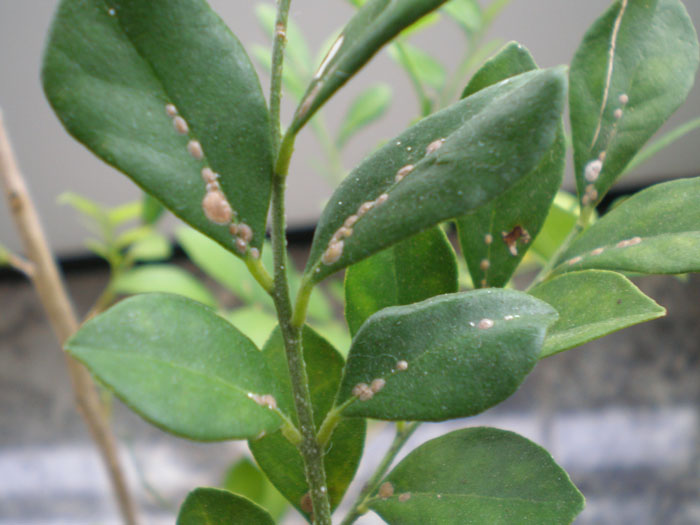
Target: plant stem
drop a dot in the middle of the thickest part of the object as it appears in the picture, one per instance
(279, 43)
(54, 298)
(310, 450)
(403, 432)
(20, 264)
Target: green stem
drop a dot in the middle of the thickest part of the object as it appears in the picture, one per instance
(280, 41)
(311, 452)
(325, 431)
(403, 432)
(259, 272)
(302, 303)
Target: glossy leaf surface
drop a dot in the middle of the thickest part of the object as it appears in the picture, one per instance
(110, 69)
(655, 231)
(374, 24)
(495, 238)
(592, 304)
(492, 140)
(418, 268)
(163, 278)
(634, 68)
(167, 357)
(281, 460)
(476, 476)
(207, 505)
(460, 354)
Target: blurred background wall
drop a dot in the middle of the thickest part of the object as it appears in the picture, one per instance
(53, 162)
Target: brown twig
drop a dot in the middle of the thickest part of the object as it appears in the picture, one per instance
(20, 264)
(54, 298)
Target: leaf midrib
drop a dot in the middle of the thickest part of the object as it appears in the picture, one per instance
(479, 496)
(176, 366)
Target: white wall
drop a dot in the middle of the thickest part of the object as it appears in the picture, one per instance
(53, 162)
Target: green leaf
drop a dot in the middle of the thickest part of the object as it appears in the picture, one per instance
(246, 479)
(634, 68)
(374, 24)
(561, 219)
(88, 208)
(151, 209)
(4, 256)
(163, 278)
(335, 332)
(369, 106)
(296, 48)
(467, 13)
(131, 236)
(493, 10)
(152, 247)
(591, 304)
(421, 24)
(420, 64)
(450, 356)
(119, 215)
(413, 270)
(492, 140)
(255, 322)
(112, 66)
(495, 238)
(511, 60)
(475, 476)
(206, 505)
(167, 357)
(655, 231)
(226, 269)
(281, 460)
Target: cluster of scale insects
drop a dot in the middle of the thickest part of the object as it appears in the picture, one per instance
(334, 251)
(215, 204)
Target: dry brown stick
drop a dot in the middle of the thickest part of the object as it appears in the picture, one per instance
(54, 298)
